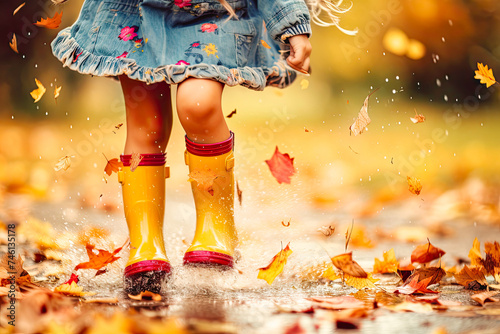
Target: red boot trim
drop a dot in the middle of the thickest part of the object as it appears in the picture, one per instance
(208, 257)
(154, 159)
(148, 265)
(210, 150)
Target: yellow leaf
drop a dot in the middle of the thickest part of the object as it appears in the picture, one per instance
(38, 93)
(359, 282)
(72, 290)
(57, 90)
(264, 44)
(304, 84)
(363, 119)
(50, 23)
(414, 185)
(475, 254)
(388, 265)
(485, 75)
(64, 163)
(13, 44)
(276, 266)
(345, 263)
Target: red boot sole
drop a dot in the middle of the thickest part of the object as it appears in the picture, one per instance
(208, 257)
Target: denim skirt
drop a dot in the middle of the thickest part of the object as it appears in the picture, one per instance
(171, 40)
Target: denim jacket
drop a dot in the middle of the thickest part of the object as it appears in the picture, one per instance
(171, 40)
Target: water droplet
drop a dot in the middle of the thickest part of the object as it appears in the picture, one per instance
(397, 77)
(442, 38)
(36, 65)
(438, 82)
(446, 77)
(450, 22)
(445, 97)
(386, 79)
(394, 91)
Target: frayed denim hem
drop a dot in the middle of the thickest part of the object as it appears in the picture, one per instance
(73, 56)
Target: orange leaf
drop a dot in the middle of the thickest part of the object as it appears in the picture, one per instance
(471, 278)
(18, 8)
(475, 254)
(434, 273)
(492, 258)
(419, 118)
(281, 166)
(204, 179)
(356, 282)
(13, 44)
(146, 295)
(426, 253)
(483, 297)
(276, 266)
(135, 160)
(38, 93)
(113, 165)
(388, 265)
(485, 75)
(99, 260)
(50, 23)
(363, 119)
(345, 263)
(264, 44)
(415, 287)
(414, 185)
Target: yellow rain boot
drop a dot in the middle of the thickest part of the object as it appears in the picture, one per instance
(144, 204)
(212, 182)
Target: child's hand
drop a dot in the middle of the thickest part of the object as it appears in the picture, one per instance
(300, 50)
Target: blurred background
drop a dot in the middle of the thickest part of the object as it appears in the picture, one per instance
(420, 55)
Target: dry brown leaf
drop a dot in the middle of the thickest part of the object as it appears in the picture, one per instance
(363, 119)
(13, 43)
(388, 265)
(204, 179)
(18, 8)
(492, 258)
(426, 253)
(486, 296)
(135, 160)
(276, 266)
(345, 263)
(415, 286)
(11, 266)
(475, 254)
(50, 23)
(414, 185)
(472, 278)
(326, 230)
(72, 290)
(37, 94)
(231, 114)
(434, 273)
(146, 295)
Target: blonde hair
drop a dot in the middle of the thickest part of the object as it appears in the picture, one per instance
(325, 13)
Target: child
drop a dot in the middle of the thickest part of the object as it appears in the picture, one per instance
(201, 45)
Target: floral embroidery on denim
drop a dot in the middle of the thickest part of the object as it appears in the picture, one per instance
(123, 55)
(128, 33)
(182, 3)
(193, 51)
(209, 27)
(210, 49)
(182, 62)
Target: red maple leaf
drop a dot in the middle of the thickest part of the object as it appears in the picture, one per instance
(73, 278)
(281, 166)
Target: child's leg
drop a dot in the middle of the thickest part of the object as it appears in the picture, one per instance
(209, 154)
(149, 123)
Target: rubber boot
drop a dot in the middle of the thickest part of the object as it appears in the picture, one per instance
(212, 182)
(144, 204)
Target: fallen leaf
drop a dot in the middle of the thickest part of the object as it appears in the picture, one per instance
(50, 23)
(486, 296)
(419, 118)
(426, 253)
(112, 165)
(326, 230)
(345, 263)
(472, 278)
(135, 160)
(204, 179)
(388, 265)
(12, 266)
(337, 303)
(239, 193)
(414, 185)
(360, 282)
(73, 278)
(485, 75)
(231, 114)
(13, 43)
(434, 273)
(72, 290)
(264, 44)
(64, 163)
(276, 266)
(281, 166)
(99, 260)
(492, 259)
(304, 84)
(475, 254)
(414, 286)
(57, 90)
(18, 8)
(146, 295)
(363, 119)
(37, 94)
